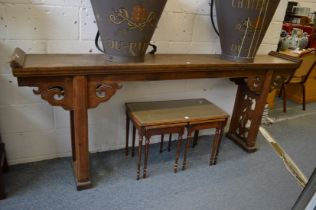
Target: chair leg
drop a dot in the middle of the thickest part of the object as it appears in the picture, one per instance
(196, 138)
(161, 143)
(169, 142)
(284, 98)
(304, 97)
(187, 146)
(140, 145)
(133, 141)
(215, 146)
(146, 157)
(127, 135)
(281, 90)
(179, 144)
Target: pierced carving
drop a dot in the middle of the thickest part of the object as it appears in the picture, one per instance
(255, 83)
(247, 107)
(101, 91)
(55, 93)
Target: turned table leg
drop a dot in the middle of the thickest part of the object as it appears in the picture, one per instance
(215, 146)
(133, 140)
(186, 150)
(80, 133)
(179, 144)
(161, 143)
(147, 140)
(169, 142)
(196, 138)
(139, 158)
(127, 134)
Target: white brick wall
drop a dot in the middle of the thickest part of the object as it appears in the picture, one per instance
(34, 130)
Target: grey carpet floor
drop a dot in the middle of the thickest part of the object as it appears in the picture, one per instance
(239, 181)
(295, 131)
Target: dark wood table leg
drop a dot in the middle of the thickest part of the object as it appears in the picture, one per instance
(2, 188)
(140, 145)
(284, 98)
(80, 131)
(196, 138)
(4, 167)
(247, 113)
(146, 156)
(186, 150)
(220, 140)
(161, 143)
(179, 145)
(127, 134)
(133, 140)
(169, 142)
(304, 97)
(214, 147)
(72, 135)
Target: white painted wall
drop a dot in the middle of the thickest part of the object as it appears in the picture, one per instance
(34, 130)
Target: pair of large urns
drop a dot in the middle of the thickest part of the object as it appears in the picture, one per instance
(126, 26)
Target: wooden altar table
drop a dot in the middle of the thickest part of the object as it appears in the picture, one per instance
(78, 82)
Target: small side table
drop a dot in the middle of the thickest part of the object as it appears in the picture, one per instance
(167, 117)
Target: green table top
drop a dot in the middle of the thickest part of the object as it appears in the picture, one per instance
(174, 111)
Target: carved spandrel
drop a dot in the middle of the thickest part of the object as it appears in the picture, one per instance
(255, 83)
(56, 93)
(101, 91)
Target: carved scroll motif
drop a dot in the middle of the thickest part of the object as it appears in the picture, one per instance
(255, 83)
(101, 91)
(55, 93)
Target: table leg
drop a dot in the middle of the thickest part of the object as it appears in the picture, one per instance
(161, 143)
(247, 113)
(127, 134)
(215, 145)
(3, 168)
(146, 157)
(139, 160)
(2, 188)
(169, 142)
(220, 140)
(133, 141)
(196, 138)
(72, 135)
(186, 150)
(79, 120)
(179, 144)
